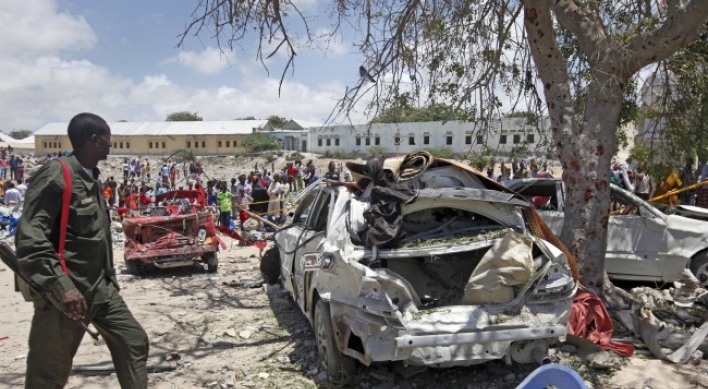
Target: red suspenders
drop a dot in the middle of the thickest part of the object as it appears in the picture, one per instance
(66, 202)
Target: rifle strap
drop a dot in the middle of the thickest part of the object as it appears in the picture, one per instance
(66, 202)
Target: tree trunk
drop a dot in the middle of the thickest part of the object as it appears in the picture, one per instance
(585, 149)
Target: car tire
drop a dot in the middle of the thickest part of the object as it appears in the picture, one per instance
(699, 267)
(270, 265)
(212, 262)
(135, 267)
(339, 366)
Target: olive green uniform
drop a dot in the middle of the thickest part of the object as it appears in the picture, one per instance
(53, 339)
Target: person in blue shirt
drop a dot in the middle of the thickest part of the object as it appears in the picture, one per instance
(312, 177)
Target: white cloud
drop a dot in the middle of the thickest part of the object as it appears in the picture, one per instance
(35, 28)
(209, 61)
(38, 85)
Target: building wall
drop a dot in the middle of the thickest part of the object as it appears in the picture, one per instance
(152, 144)
(501, 136)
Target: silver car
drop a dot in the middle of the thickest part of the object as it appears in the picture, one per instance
(643, 243)
(466, 282)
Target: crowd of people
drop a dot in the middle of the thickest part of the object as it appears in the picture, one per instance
(635, 180)
(138, 190)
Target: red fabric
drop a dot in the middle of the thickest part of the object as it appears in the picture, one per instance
(172, 209)
(589, 319)
(261, 244)
(145, 199)
(242, 216)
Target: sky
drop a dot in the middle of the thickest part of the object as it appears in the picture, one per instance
(120, 60)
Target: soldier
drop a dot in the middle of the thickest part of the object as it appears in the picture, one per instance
(90, 290)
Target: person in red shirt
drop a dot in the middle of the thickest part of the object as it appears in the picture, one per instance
(292, 171)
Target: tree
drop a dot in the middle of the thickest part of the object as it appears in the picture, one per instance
(20, 134)
(405, 113)
(261, 142)
(479, 54)
(277, 121)
(183, 116)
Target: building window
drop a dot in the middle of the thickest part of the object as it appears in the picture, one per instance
(218, 144)
(377, 141)
(358, 141)
(448, 140)
(203, 144)
(55, 145)
(121, 144)
(502, 139)
(228, 143)
(426, 139)
(59, 144)
(150, 145)
(517, 139)
(480, 139)
(368, 141)
(196, 144)
(329, 142)
(529, 138)
(235, 143)
(45, 145)
(127, 145)
(411, 140)
(397, 140)
(336, 141)
(164, 147)
(319, 142)
(189, 144)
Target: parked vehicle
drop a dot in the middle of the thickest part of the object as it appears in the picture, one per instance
(182, 234)
(462, 280)
(643, 243)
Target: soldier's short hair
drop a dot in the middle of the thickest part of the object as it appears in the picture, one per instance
(83, 126)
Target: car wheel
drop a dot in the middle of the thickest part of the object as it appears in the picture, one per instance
(270, 265)
(212, 262)
(339, 366)
(699, 267)
(135, 267)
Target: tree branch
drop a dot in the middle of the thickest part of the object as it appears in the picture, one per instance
(679, 29)
(587, 27)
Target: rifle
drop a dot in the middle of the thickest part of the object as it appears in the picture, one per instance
(28, 286)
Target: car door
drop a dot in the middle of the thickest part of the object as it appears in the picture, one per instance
(309, 242)
(289, 237)
(635, 239)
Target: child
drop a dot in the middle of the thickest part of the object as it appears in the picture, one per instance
(242, 201)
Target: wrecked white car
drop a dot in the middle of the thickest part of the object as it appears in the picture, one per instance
(446, 272)
(643, 243)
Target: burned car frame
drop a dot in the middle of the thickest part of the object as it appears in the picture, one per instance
(179, 233)
(643, 243)
(470, 277)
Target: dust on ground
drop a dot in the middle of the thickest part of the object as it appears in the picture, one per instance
(206, 330)
(205, 333)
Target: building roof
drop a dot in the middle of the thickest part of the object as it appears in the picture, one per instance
(168, 128)
(297, 124)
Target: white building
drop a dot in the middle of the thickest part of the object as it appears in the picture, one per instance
(502, 137)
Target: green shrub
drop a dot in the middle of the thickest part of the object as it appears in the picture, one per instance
(294, 156)
(270, 157)
(341, 154)
(441, 152)
(373, 150)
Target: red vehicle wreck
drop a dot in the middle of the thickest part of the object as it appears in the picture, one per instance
(180, 233)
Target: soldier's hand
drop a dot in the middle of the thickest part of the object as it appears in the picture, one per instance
(73, 304)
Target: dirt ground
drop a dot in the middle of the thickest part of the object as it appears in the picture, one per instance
(206, 330)
(206, 333)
